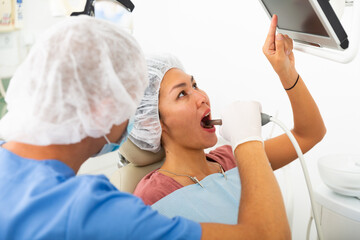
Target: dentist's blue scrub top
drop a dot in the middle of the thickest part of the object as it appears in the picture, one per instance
(45, 200)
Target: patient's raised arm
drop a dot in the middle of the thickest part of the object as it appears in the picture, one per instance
(309, 127)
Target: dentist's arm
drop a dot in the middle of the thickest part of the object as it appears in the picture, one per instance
(309, 127)
(261, 212)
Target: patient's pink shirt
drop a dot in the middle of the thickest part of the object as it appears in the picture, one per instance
(156, 185)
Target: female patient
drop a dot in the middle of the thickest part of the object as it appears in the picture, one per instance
(173, 115)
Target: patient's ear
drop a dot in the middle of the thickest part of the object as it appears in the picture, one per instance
(164, 133)
(164, 127)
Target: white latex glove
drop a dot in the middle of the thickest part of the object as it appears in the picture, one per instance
(241, 122)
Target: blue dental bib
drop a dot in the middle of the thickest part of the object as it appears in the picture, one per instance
(217, 202)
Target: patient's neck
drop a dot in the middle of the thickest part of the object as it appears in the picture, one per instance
(182, 160)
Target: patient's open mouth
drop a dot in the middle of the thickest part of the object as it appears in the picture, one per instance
(205, 121)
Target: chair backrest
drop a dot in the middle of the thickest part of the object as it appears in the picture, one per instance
(141, 163)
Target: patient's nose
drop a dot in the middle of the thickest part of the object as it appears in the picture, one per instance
(200, 98)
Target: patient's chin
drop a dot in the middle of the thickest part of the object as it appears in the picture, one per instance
(211, 142)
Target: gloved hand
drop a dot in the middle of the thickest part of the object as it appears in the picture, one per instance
(241, 122)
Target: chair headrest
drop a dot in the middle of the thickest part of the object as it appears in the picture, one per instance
(140, 157)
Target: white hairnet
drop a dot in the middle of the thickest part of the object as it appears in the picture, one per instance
(146, 133)
(81, 77)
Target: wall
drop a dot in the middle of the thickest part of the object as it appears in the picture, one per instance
(220, 44)
(38, 15)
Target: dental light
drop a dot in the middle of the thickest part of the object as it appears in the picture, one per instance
(90, 6)
(115, 11)
(315, 27)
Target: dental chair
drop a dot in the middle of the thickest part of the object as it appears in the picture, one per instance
(140, 163)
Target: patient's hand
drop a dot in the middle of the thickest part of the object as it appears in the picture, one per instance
(278, 50)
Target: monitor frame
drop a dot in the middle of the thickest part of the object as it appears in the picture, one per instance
(337, 36)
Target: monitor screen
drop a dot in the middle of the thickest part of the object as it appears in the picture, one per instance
(296, 15)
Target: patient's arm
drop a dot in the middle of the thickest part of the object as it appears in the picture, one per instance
(308, 130)
(261, 212)
(309, 127)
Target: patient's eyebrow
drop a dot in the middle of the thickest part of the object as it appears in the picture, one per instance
(183, 84)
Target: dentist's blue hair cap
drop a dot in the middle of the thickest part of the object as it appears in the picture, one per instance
(146, 133)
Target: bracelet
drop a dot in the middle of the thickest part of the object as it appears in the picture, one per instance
(297, 79)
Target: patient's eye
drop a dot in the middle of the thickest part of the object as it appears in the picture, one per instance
(195, 86)
(181, 94)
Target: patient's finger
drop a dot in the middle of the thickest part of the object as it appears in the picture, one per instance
(289, 39)
(280, 44)
(270, 39)
(288, 45)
